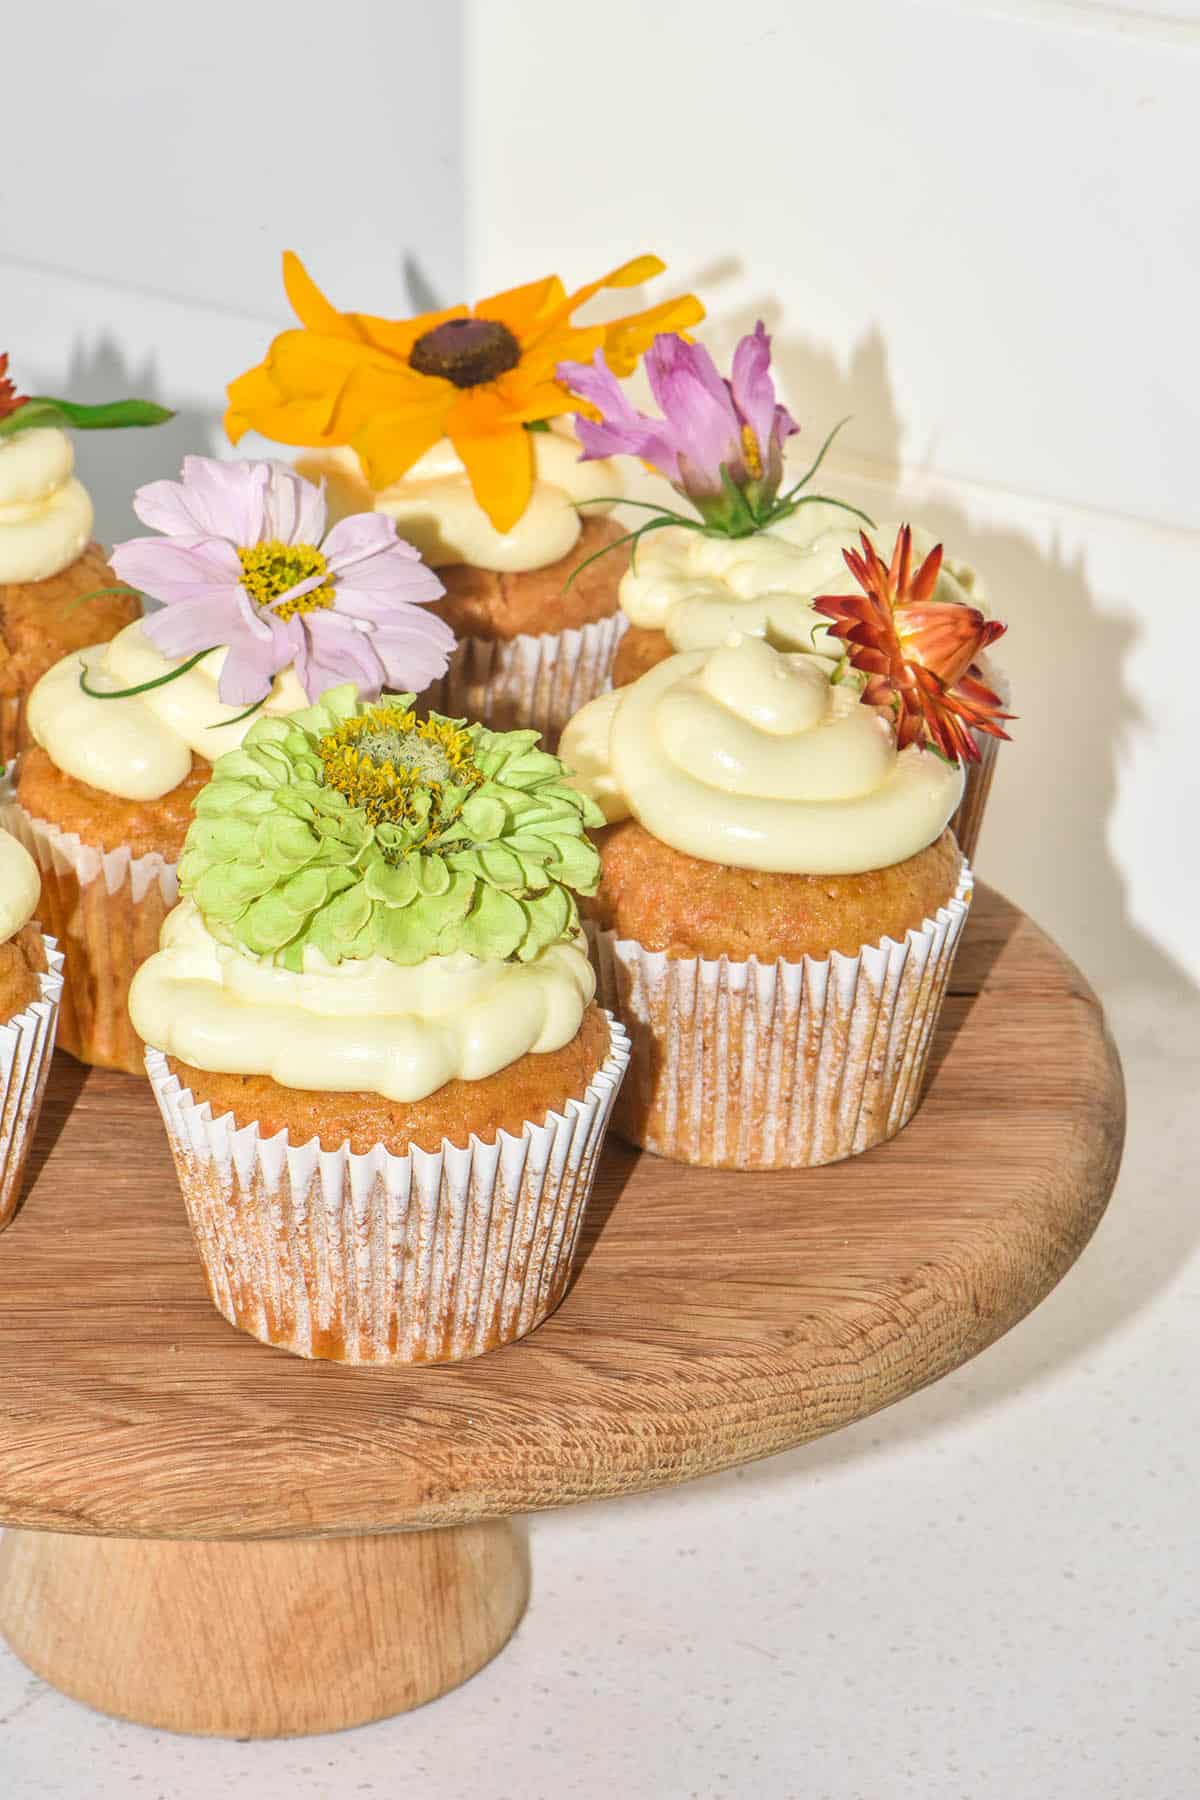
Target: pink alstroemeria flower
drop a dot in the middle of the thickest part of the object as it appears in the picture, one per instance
(245, 561)
(719, 442)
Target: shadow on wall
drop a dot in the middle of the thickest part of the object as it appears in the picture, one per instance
(1046, 838)
(112, 464)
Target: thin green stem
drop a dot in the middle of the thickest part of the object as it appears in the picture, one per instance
(218, 723)
(143, 687)
(784, 511)
(630, 537)
(820, 458)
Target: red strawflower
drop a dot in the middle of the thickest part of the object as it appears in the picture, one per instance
(10, 400)
(917, 653)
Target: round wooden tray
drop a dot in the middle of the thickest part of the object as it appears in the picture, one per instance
(714, 1318)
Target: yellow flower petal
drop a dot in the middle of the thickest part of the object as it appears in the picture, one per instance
(346, 378)
(388, 444)
(626, 339)
(498, 459)
(309, 303)
(522, 308)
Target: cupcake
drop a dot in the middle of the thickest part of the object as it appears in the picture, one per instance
(454, 425)
(756, 560)
(780, 898)
(30, 986)
(261, 611)
(57, 592)
(372, 1033)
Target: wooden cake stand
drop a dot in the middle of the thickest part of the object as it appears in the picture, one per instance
(212, 1536)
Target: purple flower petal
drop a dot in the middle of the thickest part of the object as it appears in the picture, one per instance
(259, 647)
(706, 429)
(293, 508)
(333, 650)
(177, 568)
(191, 625)
(623, 431)
(414, 655)
(754, 396)
(700, 409)
(380, 584)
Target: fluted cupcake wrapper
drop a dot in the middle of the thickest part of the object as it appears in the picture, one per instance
(13, 735)
(968, 819)
(106, 908)
(378, 1258)
(776, 1065)
(26, 1046)
(525, 682)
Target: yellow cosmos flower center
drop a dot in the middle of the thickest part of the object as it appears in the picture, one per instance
(752, 454)
(270, 569)
(395, 765)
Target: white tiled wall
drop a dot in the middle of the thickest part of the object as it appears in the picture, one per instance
(975, 228)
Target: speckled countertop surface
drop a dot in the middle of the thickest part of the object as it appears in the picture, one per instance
(989, 1592)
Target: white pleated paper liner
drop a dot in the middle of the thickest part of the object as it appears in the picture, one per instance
(106, 908)
(529, 683)
(26, 1045)
(776, 1065)
(377, 1258)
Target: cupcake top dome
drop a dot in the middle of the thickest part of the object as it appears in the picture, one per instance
(761, 760)
(20, 886)
(375, 901)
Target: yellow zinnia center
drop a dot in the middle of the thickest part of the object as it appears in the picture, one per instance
(752, 454)
(386, 760)
(270, 569)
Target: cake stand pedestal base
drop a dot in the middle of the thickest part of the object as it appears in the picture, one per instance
(262, 1638)
(227, 1587)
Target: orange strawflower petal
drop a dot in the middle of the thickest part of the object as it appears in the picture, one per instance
(917, 653)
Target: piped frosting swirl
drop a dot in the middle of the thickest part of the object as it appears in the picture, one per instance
(746, 756)
(699, 588)
(46, 513)
(436, 511)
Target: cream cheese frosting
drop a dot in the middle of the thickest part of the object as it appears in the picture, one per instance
(141, 747)
(746, 756)
(698, 589)
(435, 509)
(367, 1025)
(20, 886)
(46, 514)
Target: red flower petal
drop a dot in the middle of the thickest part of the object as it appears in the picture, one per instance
(918, 653)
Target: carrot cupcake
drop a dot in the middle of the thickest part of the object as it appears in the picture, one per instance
(262, 609)
(755, 559)
(780, 897)
(454, 424)
(57, 593)
(30, 988)
(374, 1043)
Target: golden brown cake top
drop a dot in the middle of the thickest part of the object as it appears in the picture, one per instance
(688, 907)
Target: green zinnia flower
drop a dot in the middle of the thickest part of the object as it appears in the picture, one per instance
(364, 830)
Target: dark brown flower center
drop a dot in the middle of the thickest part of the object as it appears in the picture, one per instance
(467, 352)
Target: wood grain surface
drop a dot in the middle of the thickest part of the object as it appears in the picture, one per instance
(269, 1639)
(714, 1318)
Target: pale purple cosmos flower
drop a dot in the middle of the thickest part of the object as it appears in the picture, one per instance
(245, 561)
(709, 424)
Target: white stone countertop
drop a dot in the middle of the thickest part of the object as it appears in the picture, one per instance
(989, 1592)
